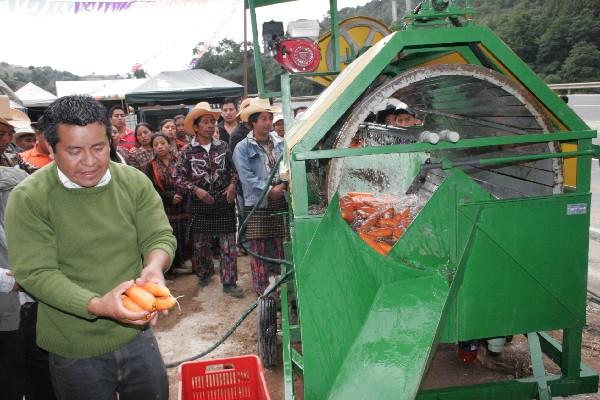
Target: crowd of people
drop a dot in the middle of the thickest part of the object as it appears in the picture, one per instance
(93, 207)
(190, 161)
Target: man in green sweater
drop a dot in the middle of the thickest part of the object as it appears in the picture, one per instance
(81, 231)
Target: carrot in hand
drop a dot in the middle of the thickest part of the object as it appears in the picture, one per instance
(142, 298)
(130, 304)
(165, 302)
(156, 290)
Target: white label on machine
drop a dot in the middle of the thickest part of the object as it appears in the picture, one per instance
(577, 209)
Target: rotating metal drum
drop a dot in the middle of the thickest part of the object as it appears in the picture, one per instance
(474, 102)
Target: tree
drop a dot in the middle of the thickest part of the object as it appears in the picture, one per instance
(517, 29)
(582, 64)
(138, 71)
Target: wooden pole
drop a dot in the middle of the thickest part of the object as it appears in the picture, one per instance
(245, 53)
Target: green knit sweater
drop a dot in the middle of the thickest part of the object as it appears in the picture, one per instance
(67, 246)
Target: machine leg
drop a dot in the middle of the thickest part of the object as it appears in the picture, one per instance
(571, 353)
(537, 363)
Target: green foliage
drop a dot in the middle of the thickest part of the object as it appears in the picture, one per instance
(547, 34)
(583, 61)
(140, 74)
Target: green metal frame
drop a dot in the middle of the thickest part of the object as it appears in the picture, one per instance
(470, 221)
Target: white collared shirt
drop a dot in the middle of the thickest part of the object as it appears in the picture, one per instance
(69, 184)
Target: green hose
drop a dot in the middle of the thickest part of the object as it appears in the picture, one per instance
(284, 278)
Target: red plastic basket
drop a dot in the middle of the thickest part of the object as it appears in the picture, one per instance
(233, 378)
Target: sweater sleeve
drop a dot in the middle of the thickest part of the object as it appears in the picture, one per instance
(153, 228)
(33, 255)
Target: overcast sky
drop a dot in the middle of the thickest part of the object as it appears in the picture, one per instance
(158, 34)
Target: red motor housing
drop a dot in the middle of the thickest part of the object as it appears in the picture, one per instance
(298, 55)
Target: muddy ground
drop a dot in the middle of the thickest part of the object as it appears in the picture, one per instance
(207, 313)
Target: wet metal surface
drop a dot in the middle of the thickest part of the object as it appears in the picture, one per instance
(473, 101)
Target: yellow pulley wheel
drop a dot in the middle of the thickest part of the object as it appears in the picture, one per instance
(356, 34)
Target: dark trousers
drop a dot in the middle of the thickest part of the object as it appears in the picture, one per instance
(135, 371)
(23, 365)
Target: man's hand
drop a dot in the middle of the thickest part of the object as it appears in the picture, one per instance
(111, 306)
(229, 193)
(177, 199)
(157, 262)
(153, 272)
(277, 192)
(204, 196)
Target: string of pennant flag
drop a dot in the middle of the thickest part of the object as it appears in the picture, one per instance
(78, 7)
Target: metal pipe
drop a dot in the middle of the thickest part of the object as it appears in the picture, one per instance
(484, 162)
(260, 83)
(449, 136)
(463, 144)
(335, 34)
(245, 51)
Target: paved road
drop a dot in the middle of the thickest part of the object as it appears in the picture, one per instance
(587, 106)
(594, 254)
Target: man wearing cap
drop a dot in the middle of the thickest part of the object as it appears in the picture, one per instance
(10, 119)
(81, 232)
(39, 155)
(279, 125)
(254, 158)
(207, 174)
(24, 139)
(387, 116)
(405, 117)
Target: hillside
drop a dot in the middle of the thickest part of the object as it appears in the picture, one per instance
(16, 76)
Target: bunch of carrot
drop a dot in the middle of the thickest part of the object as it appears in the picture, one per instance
(375, 219)
(150, 297)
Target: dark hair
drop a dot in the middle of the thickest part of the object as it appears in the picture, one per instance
(164, 121)
(382, 115)
(73, 110)
(113, 155)
(113, 108)
(138, 126)
(38, 126)
(253, 118)
(406, 110)
(228, 100)
(178, 116)
(156, 136)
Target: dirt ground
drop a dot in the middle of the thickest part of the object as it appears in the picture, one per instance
(207, 313)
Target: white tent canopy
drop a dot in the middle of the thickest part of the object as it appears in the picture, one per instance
(34, 96)
(114, 89)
